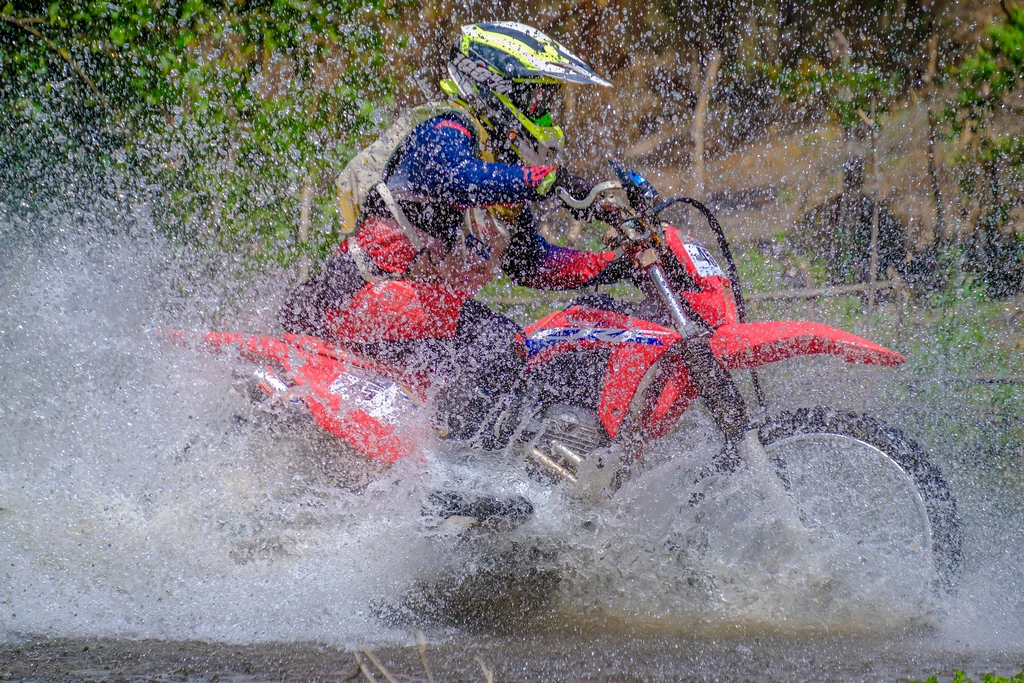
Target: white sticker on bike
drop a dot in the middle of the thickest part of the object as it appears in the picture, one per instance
(703, 260)
(382, 401)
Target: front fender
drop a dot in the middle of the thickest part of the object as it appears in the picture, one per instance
(748, 345)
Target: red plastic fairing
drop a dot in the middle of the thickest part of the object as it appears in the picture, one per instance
(636, 345)
(752, 344)
(714, 301)
(626, 369)
(315, 370)
(675, 398)
(596, 327)
(364, 433)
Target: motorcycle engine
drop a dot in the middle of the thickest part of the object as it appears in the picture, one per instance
(563, 439)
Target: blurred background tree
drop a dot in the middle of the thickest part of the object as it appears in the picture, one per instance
(230, 116)
(228, 120)
(986, 118)
(849, 228)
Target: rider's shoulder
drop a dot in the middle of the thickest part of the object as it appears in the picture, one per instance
(451, 123)
(446, 117)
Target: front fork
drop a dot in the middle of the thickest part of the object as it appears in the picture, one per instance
(723, 400)
(716, 386)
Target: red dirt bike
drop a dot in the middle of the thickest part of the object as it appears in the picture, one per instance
(607, 377)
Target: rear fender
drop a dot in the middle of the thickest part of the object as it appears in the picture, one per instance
(365, 433)
(367, 405)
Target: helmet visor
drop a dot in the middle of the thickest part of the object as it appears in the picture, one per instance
(535, 100)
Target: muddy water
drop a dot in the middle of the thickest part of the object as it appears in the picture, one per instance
(565, 657)
(153, 522)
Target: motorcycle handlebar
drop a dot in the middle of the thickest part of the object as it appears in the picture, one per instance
(588, 201)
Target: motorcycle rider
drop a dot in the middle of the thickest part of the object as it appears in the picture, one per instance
(436, 208)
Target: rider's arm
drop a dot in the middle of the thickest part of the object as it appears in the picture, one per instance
(532, 261)
(442, 163)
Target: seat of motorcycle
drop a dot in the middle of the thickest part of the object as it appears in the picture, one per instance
(600, 301)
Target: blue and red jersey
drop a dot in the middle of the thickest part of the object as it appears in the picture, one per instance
(439, 173)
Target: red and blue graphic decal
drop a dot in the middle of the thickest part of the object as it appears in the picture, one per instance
(545, 338)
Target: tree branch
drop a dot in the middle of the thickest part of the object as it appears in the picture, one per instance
(25, 26)
(700, 113)
(1006, 11)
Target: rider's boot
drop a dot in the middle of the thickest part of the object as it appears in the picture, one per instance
(488, 512)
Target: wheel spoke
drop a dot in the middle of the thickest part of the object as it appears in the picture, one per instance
(871, 489)
(840, 483)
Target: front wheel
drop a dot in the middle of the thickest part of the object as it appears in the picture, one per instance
(868, 486)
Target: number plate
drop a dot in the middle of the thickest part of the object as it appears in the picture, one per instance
(703, 260)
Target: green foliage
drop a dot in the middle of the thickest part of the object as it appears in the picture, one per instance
(960, 677)
(991, 164)
(760, 271)
(966, 336)
(990, 76)
(225, 110)
(843, 90)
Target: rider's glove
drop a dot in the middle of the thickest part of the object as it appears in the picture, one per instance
(561, 178)
(576, 186)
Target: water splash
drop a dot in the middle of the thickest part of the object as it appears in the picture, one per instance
(143, 496)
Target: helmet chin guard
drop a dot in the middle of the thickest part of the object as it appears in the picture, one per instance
(509, 74)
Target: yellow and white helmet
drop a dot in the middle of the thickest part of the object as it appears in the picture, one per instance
(511, 73)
